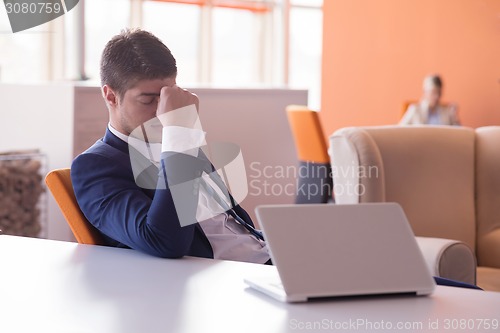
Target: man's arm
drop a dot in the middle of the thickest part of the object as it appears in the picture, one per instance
(116, 206)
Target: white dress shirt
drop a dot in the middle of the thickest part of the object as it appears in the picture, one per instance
(228, 238)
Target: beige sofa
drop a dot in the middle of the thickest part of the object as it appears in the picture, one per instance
(447, 179)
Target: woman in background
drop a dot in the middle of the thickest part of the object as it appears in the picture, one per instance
(429, 111)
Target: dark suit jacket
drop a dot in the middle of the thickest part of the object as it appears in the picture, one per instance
(136, 217)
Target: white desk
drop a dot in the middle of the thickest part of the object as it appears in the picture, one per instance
(50, 286)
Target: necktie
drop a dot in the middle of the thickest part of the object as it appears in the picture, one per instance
(258, 234)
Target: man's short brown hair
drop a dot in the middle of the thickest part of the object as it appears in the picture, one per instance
(132, 56)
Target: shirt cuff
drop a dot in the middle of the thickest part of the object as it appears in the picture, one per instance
(186, 116)
(182, 140)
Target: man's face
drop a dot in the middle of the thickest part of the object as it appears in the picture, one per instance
(137, 106)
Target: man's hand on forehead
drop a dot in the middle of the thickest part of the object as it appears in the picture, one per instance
(174, 98)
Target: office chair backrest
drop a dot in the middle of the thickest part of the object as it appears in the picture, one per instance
(308, 134)
(406, 105)
(312, 152)
(59, 183)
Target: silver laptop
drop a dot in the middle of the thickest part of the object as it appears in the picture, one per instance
(328, 250)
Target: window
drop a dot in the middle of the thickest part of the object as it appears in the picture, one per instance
(240, 42)
(306, 31)
(235, 47)
(307, 3)
(103, 20)
(23, 55)
(229, 43)
(178, 26)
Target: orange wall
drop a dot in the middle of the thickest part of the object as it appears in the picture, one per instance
(376, 53)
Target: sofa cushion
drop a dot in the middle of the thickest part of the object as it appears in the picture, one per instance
(488, 196)
(428, 170)
(488, 278)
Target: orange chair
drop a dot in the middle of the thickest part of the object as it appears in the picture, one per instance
(312, 152)
(407, 104)
(59, 183)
